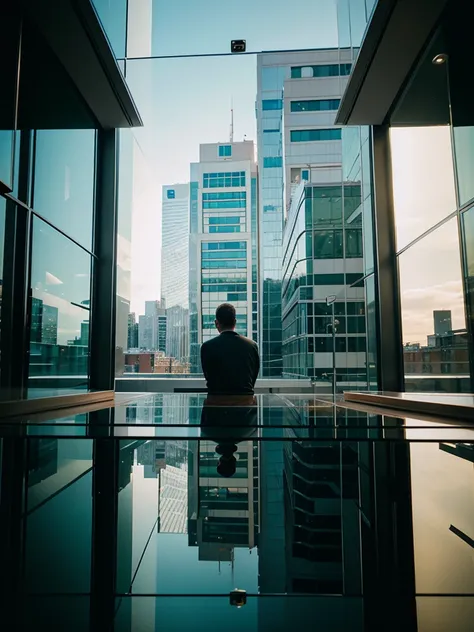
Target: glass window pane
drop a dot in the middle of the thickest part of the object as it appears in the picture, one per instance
(358, 21)
(59, 338)
(423, 179)
(7, 139)
(441, 494)
(371, 333)
(353, 239)
(272, 104)
(113, 17)
(310, 135)
(468, 244)
(314, 105)
(204, 27)
(59, 501)
(126, 319)
(464, 154)
(2, 244)
(433, 320)
(64, 181)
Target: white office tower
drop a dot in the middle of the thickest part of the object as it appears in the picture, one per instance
(175, 245)
(223, 246)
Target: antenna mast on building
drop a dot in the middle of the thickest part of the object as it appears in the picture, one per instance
(232, 121)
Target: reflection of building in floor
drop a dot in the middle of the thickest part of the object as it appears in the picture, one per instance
(223, 512)
(148, 410)
(322, 515)
(271, 539)
(146, 457)
(173, 500)
(175, 408)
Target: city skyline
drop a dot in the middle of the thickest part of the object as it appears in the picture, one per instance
(419, 299)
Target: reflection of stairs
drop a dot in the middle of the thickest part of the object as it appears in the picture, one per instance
(462, 450)
(463, 536)
(320, 477)
(68, 472)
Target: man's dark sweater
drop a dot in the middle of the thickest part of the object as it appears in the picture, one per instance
(230, 364)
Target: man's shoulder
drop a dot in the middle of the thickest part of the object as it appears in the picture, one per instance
(223, 339)
(249, 341)
(209, 343)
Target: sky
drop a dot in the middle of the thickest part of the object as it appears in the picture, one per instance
(187, 101)
(424, 194)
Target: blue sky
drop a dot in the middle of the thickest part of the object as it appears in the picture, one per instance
(208, 26)
(185, 102)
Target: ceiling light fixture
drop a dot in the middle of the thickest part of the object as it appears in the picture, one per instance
(440, 59)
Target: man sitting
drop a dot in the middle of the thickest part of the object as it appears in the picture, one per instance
(230, 362)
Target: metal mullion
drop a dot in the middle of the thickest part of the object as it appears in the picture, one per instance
(390, 368)
(254, 52)
(15, 299)
(427, 232)
(103, 312)
(49, 223)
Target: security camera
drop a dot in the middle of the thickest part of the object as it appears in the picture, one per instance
(238, 597)
(238, 46)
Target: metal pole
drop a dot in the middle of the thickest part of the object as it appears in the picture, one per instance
(333, 354)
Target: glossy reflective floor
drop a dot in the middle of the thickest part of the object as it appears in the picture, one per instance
(147, 516)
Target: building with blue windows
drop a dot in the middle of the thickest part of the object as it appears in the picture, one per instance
(297, 98)
(223, 243)
(302, 166)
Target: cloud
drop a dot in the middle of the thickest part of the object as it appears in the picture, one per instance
(52, 280)
(418, 305)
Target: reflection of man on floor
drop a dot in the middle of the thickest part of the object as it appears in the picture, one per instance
(228, 421)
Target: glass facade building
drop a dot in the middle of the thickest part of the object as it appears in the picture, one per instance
(323, 258)
(283, 78)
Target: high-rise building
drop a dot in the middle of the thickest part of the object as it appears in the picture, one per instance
(175, 245)
(36, 319)
(281, 151)
(442, 321)
(162, 327)
(152, 327)
(44, 322)
(223, 245)
(322, 237)
(50, 325)
(132, 338)
(221, 519)
(85, 333)
(330, 266)
(177, 333)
